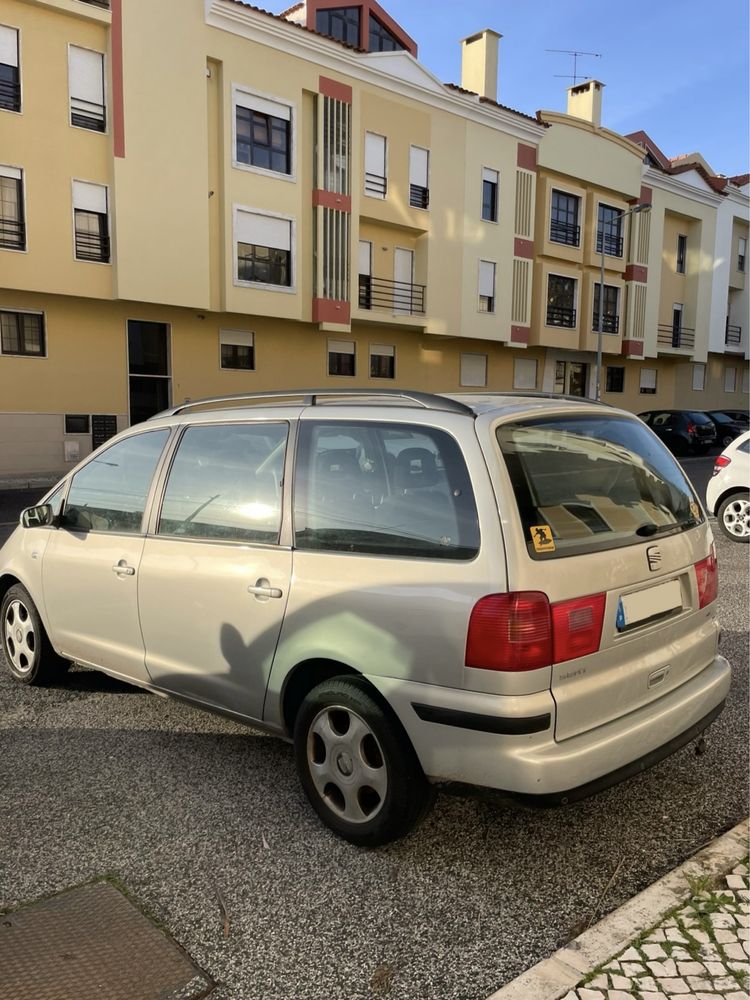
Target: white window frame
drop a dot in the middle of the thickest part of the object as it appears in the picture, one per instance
(518, 381)
(80, 180)
(26, 312)
(12, 169)
(105, 92)
(332, 340)
(246, 338)
(576, 293)
(699, 370)
(730, 369)
(17, 30)
(490, 170)
(422, 149)
(641, 385)
(381, 352)
(237, 210)
(249, 93)
(480, 294)
(386, 167)
(472, 384)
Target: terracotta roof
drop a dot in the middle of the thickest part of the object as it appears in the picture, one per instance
(488, 100)
(291, 10)
(716, 183)
(293, 24)
(643, 139)
(740, 180)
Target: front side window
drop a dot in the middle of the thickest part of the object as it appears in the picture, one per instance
(681, 253)
(264, 249)
(341, 357)
(490, 187)
(110, 492)
(384, 489)
(12, 224)
(564, 225)
(615, 378)
(237, 350)
(595, 482)
(263, 134)
(609, 231)
(10, 73)
(341, 23)
(561, 301)
(610, 318)
(225, 484)
(90, 203)
(22, 333)
(86, 81)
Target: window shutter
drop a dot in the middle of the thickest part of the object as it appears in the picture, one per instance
(730, 379)
(365, 257)
(375, 154)
(341, 347)
(264, 106)
(490, 175)
(487, 278)
(474, 369)
(86, 75)
(648, 378)
(9, 46)
(419, 166)
(90, 197)
(382, 351)
(524, 373)
(264, 231)
(13, 172)
(237, 338)
(699, 377)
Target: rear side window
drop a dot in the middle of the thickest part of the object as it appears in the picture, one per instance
(225, 483)
(588, 483)
(110, 492)
(384, 489)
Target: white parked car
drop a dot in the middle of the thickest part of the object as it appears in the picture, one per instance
(728, 492)
(513, 592)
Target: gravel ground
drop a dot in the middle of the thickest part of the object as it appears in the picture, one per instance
(97, 777)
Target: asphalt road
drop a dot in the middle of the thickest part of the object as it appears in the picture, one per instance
(97, 777)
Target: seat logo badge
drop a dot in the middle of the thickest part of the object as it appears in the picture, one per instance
(654, 558)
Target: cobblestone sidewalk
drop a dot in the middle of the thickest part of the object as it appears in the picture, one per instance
(699, 952)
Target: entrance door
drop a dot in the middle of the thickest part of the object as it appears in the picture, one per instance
(403, 274)
(571, 377)
(148, 369)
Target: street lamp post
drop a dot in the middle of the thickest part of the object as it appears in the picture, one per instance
(600, 325)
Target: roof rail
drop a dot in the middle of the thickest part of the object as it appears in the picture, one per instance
(309, 397)
(534, 394)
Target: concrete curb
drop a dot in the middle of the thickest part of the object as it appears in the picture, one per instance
(555, 976)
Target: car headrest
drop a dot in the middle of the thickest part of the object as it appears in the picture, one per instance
(415, 469)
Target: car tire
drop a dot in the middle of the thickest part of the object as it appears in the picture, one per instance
(727, 440)
(357, 765)
(26, 647)
(733, 516)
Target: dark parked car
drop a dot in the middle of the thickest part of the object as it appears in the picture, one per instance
(682, 430)
(741, 416)
(727, 428)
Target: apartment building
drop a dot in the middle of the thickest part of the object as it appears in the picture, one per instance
(201, 198)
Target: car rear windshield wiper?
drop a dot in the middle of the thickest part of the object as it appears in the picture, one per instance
(650, 529)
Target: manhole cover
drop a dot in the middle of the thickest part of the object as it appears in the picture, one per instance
(91, 943)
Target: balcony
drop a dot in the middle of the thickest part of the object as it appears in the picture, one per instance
(419, 197)
(610, 324)
(10, 95)
(613, 245)
(12, 234)
(561, 316)
(565, 232)
(395, 296)
(92, 247)
(376, 185)
(681, 337)
(733, 334)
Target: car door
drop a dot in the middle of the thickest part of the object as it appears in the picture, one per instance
(90, 565)
(214, 577)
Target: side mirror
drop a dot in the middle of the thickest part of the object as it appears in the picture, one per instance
(38, 517)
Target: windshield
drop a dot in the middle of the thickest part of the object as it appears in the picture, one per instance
(585, 483)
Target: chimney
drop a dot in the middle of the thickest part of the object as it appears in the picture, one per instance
(585, 101)
(479, 63)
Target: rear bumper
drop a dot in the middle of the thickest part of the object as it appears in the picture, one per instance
(533, 764)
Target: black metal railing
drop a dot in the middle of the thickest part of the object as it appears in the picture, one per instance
(97, 3)
(682, 337)
(93, 247)
(565, 232)
(612, 244)
(10, 95)
(375, 184)
(84, 114)
(610, 323)
(734, 334)
(12, 234)
(561, 316)
(397, 296)
(419, 197)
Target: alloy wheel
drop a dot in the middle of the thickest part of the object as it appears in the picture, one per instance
(736, 517)
(20, 637)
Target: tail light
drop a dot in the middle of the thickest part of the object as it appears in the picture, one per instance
(721, 463)
(707, 579)
(521, 631)
(691, 427)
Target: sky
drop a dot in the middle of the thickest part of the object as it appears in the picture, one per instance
(676, 68)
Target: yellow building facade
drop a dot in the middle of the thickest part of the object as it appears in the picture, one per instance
(198, 198)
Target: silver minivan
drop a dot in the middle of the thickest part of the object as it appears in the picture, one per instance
(511, 592)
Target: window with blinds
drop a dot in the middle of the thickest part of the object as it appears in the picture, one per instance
(12, 217)
(10, 70)
(263, 133)
(91, 222)
(264, 249)
(376, 177)
(86, 82)
(419, 177)
(486, 286)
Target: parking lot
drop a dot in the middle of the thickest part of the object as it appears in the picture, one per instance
(184, 807)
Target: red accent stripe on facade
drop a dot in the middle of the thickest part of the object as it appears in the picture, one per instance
(118, 101)
(646, 196)
(636, 272)
(632, 348)
(526, 156)
(332, 88)
(331, 311)
(523, 248)
(328, 199)
(520, 334)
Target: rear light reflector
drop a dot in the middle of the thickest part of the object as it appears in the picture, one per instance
(707, 579)
(691, 427)
(577, 627)
(510, 632)
(721, 463)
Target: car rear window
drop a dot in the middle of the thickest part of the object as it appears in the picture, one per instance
(700, 418)
(588, 483)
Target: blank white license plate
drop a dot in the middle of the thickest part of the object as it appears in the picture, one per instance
(650, 603)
